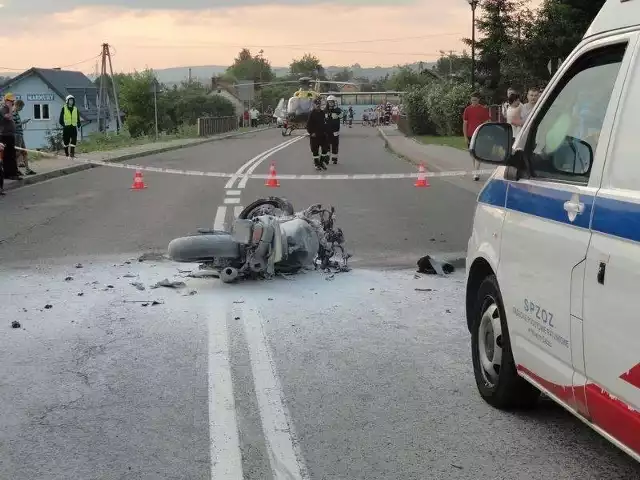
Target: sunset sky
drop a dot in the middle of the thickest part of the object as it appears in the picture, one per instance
(164, 33)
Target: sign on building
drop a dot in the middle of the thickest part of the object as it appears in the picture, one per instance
(40, 97)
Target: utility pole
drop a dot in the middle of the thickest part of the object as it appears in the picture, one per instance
(189, 76)
(261, 86)
(103, 92)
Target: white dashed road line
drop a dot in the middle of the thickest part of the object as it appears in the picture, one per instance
(233, 195)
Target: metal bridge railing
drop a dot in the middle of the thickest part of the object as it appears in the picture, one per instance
(208, 126)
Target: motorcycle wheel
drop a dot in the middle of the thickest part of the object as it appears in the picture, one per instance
(274, 202)
(204, 248)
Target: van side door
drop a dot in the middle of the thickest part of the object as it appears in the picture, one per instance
(546, 232)
(611, 322)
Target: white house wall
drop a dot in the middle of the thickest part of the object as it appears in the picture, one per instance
(33, 91)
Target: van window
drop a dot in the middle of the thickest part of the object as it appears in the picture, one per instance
(564, 136)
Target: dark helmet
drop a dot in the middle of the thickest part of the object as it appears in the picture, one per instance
(317, 101)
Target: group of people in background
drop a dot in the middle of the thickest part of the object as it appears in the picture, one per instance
(513, 112)
(383, 114)
(323, 126)
(13, 151)
(12, 141)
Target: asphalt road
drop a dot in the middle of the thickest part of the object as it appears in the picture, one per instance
(359, 376)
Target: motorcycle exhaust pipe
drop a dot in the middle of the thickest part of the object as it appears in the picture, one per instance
(229, 275)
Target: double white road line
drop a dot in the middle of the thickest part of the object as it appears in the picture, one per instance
(285, 458)
(242, 174)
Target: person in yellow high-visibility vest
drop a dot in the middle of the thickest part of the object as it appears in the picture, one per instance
(70, 122)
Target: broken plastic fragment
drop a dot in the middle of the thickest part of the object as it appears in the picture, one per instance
(168, 284)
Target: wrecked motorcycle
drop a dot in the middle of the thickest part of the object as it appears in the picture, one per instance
(267, 238)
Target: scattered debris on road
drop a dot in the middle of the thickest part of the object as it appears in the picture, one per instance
(152, 257)
(48, 306)
(430, 266)
(139, 286)
(15, 324)
(79, 265)
(68, 279)
(168, 284)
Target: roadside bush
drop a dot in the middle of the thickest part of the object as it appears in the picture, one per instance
(418, 111)
(436, 109)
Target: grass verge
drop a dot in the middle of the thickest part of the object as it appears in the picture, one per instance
(109, 141)
(454, 142)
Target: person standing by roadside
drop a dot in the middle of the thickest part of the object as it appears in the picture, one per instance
(21, 154)
(474, 116)
(70, 122)
(514, 114)
(8, 139)
(505, 105)
(532, 99)
(255, 115)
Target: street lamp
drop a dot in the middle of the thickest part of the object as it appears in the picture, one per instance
(474, 5)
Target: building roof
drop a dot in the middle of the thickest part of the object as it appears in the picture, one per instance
(63, 83)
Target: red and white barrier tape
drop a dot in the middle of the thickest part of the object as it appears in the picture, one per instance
(196, 173)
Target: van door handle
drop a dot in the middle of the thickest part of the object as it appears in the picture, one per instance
(574, 207)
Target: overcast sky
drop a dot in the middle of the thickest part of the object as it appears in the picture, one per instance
(166, 33)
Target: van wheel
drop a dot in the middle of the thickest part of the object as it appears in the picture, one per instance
(493, 365)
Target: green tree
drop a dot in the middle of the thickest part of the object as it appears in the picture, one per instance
(405, 77)
(452, 65)
(177, 106)
(248, 67)
(556, 29)
(136, 100)
(497, 25)
(307, 66)
(344, 75)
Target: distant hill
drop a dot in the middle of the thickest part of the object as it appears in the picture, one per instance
(205, 72)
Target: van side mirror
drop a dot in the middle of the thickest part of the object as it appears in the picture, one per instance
(492, 143)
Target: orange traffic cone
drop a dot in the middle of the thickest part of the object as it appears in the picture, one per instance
(138, 182)
(272, 180)
(422, 177)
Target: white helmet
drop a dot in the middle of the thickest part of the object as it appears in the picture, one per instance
(331, 98)
(70, 97)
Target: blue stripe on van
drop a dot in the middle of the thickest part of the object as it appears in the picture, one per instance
(494, 193)
(547, 203)
(618, 218)
(611, 217)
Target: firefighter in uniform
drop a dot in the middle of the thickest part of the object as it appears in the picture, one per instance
(70, 122)
(317, 128)
(333, 113)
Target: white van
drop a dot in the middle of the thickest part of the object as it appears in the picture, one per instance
(553, 263)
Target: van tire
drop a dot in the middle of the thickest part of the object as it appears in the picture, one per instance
(506, 389)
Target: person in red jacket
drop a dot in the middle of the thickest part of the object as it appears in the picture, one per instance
(474, 116)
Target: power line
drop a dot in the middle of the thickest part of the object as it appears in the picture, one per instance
(306, 49)
(11, 69)
(305, 45)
